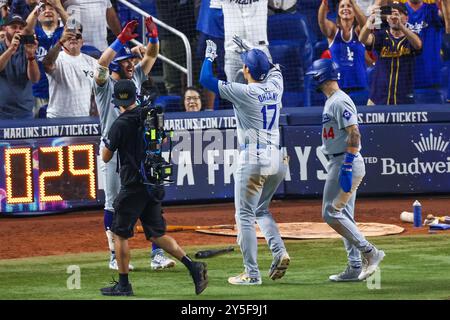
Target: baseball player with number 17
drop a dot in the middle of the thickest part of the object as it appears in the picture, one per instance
(341, 143)
(261, 166)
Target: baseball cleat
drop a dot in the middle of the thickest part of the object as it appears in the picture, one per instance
(113, 265)
(199, 273)
(348, 275)
(370, 263)
(279, 266)
(160, 261)
(245, 280)
(117, 290)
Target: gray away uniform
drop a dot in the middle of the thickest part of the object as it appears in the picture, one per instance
(338, 207)
(261, 167)
(108, 114)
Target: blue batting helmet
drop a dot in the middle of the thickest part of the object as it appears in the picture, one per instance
(323, 70)
(123, 54)
(257, 62)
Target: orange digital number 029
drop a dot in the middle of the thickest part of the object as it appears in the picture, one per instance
(26, 154)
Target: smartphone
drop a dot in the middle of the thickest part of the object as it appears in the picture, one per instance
(27, 39)
(71, 24)
(386, 10)
(40, 6)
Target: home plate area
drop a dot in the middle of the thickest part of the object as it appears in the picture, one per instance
(315, 230)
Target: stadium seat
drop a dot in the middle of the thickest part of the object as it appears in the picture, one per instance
(309, 9)
(319, 48)
(288, 26)
(428, 96)
(293, 99)
(291, 29)
(312, 98)
(169, 103)
(289, 55)
(290, 45)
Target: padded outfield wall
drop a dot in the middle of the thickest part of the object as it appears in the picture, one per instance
(52, 165)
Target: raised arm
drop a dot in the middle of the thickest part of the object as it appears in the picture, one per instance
(33, 72)
(207, 78)
(109, 54)
(31, 21)
(60, 9)
(113, 21)
(50, 59)
(327, 27)
(151, 54)
(359, 14)
(6, 55)
(445, 10)
(365, 35)
(412, 37)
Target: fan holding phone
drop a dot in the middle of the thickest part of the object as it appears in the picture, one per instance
(345, 48)
(397, 47)
(18, 69)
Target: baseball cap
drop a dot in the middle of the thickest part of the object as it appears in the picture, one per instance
(12, 19)
(400, 7)
(258, 63)
(3, 3)
(124, 93)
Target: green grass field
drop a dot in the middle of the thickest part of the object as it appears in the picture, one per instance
(415, 268)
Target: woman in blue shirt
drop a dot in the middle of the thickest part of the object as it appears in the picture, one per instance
(345, 48)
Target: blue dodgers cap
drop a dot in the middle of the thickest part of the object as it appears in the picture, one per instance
(123, 54)
(258, 63)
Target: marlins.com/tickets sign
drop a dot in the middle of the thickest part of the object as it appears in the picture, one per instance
(52, 164)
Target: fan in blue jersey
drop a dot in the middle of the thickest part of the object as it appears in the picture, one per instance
(48, 32)
(210, 26)
(345, 48)
(426, 20)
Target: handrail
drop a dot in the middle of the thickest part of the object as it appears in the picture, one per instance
(187, 45)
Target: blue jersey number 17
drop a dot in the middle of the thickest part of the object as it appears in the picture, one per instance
(264, 111)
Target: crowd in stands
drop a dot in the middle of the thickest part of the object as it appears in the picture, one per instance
(388, 53)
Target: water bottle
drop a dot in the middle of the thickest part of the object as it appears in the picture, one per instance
(417, 214)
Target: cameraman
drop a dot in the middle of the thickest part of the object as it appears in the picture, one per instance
(134, 199)
(120, 61)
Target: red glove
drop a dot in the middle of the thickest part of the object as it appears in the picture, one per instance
(127, 32)
(152, 30)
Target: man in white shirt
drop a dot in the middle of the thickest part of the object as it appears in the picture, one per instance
(70, 76)
(248, 20)
(95, 16)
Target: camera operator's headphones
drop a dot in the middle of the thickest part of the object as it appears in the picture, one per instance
(124, 54)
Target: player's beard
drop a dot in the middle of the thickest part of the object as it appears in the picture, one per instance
(123, 74)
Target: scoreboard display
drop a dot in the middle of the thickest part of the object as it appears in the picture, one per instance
(51, 174)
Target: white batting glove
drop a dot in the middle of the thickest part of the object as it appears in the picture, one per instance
(243, 44)
(211, 50)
